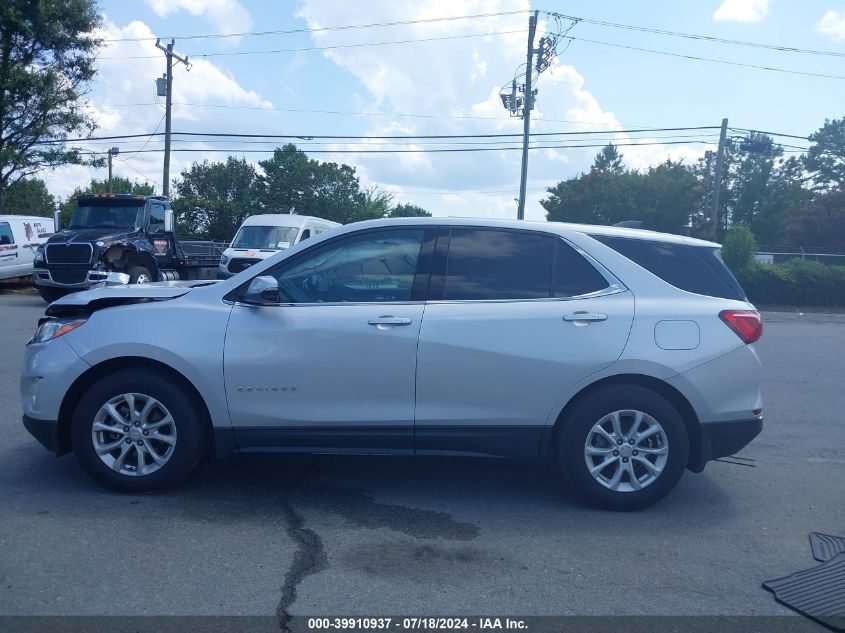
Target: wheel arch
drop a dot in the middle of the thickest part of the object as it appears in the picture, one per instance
(675, 398)
(219, 442)
(145, 259)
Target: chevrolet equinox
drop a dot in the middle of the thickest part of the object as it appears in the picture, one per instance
(620, 356)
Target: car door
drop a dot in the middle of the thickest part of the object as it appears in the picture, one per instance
(332, 365)
(514, 320)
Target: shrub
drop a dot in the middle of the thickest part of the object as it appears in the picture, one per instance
(797, 282)
(738, 248)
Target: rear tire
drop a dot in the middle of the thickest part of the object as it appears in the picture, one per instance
(50, 294)
(623, 426)
(129, 411)
(139, 275)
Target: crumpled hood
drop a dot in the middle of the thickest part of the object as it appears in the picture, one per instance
(104, 234)
(94, 299)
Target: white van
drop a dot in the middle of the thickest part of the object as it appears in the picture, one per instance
(263, 235)
(20, 236)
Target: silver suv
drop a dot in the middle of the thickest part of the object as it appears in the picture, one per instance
(620, 356)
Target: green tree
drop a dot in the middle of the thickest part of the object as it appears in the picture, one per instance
(749, 183)
(785, 196)
(119, 185)
(820, 223)
(29, 196)
(593, 198)
(666, 196)
(47, 52)
(292, 181)
(663, 197)
(739, 248)
(825, 159)
(377, 203)
(213, 199)
(408, 211)
(608, 160)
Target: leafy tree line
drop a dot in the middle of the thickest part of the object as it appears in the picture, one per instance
(211, 199)
(794, 200)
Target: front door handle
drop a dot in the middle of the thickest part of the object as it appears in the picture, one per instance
(585, 317)
(387, 322)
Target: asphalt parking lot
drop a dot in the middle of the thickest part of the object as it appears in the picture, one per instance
(370, 536)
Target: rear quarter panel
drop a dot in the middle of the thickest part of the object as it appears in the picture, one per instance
(719, 376)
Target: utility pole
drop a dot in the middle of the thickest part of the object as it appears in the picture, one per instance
(717, 179)
(170, 55)
(526, 114)
(112, 152)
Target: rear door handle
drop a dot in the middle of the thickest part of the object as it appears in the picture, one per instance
(585, 316)
(385, 322)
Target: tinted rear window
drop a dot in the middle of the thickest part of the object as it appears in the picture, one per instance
(694, 269)
(574, 275)
(493, 264)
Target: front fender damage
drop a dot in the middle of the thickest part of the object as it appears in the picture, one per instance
(122, 254)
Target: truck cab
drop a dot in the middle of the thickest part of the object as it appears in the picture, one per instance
(115, 233)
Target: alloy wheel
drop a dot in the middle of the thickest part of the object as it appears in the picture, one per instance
(134, 434)
(626, 450)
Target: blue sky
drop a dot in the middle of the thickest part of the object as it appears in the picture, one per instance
(450, 86)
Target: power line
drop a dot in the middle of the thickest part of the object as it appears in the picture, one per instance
(694, 36)
(321, 29)
(349, 113)
(309, 137)
(419, 151)
(306, 49)
(220, 145)
(706, 59)
(144, 176)
(783, 134)
(150, 137)
(402, 142)
(460, 192)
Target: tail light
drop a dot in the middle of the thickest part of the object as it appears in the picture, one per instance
(747, 324)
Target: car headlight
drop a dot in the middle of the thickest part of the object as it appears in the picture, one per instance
(224, 260)
(39, 256)
(48, 329)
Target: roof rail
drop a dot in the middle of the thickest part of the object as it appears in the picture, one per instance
(630, 224)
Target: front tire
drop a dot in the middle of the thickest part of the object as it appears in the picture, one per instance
(139, 275)
(623, 447)
(136, 431)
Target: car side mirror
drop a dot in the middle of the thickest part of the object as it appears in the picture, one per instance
(262, 290)
(168, 220)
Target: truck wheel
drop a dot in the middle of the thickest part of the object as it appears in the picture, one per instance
(51, 294)
(139, 275)
(137, 431)
(624, 447)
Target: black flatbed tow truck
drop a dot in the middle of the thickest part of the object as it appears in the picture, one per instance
(119, 233)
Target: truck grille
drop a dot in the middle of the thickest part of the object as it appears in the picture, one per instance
(69, 253)
(69, 276)
(241, 263)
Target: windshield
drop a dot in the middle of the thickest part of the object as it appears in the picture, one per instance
(265, 237)
(124, 214)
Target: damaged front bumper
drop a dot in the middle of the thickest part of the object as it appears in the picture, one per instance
(75, 279)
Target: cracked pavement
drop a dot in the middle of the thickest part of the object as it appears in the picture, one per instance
(300, 535)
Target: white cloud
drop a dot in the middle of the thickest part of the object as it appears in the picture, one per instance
(114, 87)
(227, 16)
(455, 85)
(742, 11)
(832, 24)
